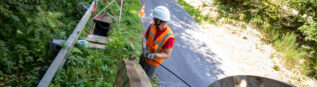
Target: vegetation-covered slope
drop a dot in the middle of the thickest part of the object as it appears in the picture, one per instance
(26, 27)
(290, 25)
(88, 67)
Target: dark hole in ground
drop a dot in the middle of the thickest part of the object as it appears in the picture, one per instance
(102, 25)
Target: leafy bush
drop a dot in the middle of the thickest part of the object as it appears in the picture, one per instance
(308, 11)
(25, 31)
(309, 30)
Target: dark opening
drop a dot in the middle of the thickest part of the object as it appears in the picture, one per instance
(102, 25)
(101, 28)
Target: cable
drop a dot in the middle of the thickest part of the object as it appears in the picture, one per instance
(173, 73)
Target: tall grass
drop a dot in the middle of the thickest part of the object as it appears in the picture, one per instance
(289, 47)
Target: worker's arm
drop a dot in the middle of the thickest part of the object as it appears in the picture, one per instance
(165, 54)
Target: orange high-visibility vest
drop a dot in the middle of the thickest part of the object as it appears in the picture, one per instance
(155, 46)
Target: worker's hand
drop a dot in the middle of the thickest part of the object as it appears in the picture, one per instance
(144, 52)
(151, 56)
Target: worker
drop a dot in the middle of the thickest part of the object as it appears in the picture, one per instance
(157, 42)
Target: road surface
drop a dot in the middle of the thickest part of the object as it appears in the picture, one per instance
(191, 58)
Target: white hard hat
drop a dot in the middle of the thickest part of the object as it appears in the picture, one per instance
(162, 13)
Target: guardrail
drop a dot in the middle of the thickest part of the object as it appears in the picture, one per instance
(60, 58)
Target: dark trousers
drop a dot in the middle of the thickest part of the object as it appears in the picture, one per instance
(149, 69)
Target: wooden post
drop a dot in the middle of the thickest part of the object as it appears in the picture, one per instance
(131, 74)
(60, 58)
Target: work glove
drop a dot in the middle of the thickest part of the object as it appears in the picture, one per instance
(151, 56)
(144, 52)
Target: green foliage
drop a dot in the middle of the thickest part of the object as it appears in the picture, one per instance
(88, 67)
(307, 7)
(309, 29)
(25, 31)
(155, 82)
(85, 67)
(289, 24)
(195, 13)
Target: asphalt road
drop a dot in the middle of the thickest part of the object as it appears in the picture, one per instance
(191, 58)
